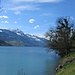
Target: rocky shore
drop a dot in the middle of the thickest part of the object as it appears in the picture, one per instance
(62, 65)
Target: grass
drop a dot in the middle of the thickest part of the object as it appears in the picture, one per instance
(70, 68)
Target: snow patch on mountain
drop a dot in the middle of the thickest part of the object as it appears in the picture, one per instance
(34, 37)
(16, 36)
(18, 33)
(37, 39)
(0, 30)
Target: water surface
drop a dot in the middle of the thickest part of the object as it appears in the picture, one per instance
(31, 60)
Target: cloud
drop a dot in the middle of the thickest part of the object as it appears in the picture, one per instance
(17, 12)
(24, 7)
(15, 22)
(4, 16)
(41, 1)
(47, 15)
(20, 26)
(6, 22)
(5, 11)
(51, 1)
(36, 27)
(31, 20)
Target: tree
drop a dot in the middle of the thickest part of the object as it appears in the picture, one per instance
(73, 39)
(60, 39)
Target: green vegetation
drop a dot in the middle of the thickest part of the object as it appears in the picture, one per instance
(62, 38)
(65, 58)
(3, 43)
(68, 69)
(16, 43)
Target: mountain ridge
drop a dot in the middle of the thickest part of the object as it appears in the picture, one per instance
(16, 37)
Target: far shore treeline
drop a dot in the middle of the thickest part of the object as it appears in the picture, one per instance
(62, 38)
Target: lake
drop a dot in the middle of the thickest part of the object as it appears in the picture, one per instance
(27, 60)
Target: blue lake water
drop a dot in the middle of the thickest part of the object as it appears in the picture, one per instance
(31, 60)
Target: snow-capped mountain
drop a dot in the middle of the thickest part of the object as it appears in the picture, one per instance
(16, 37)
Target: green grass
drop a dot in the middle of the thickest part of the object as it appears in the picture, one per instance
(64, 59)
(70, 68)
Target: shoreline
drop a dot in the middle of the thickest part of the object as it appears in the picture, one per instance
(64, 62)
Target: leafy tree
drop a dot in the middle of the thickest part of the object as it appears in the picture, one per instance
(60, 39)
(73, 39)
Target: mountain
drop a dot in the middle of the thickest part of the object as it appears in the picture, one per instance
(16, 37)
(3, 43)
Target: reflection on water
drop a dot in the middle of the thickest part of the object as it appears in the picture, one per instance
(33, 61)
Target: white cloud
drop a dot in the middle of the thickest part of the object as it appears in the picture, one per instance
(15, 22)
(52, 1)
(6, 22)
(20, 26)
(19, 8)
(5, 11)
(4, 16)
(24, 7)
(17, 12)
(36, 1)
(31, 20)
(47, 15)
(36, 27)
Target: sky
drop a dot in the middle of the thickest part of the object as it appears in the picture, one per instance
(34, 16)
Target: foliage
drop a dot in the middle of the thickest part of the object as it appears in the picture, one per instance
(73, 39)
(70, 68)
(61, 38)
(3, 43)
(16, 43)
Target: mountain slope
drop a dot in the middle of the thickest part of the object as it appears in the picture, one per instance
(18, 38)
